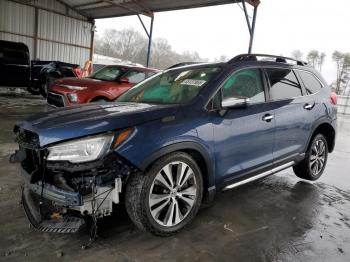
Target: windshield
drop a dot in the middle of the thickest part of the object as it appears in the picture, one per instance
(172, 87)
(108, 73)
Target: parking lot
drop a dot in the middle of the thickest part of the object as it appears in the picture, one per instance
(280, 218)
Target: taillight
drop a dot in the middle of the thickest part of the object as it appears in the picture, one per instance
(333, 98)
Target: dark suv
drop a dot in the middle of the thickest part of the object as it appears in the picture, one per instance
(168, 144)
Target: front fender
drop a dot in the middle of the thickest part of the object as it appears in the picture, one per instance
(188, 145)
(185, 145)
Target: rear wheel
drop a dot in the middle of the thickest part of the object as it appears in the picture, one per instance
(312, 167)
(33, 90)
(167, 197)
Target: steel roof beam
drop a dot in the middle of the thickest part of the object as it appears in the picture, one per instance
(88, 4)
(134, 11)
(250, 24)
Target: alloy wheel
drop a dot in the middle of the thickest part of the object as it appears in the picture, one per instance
(317, 157)
(172, 194)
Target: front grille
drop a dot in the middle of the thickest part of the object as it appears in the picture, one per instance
(55, 99)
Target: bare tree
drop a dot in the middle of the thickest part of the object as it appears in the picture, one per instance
(131, 45)
(297, 54)
(342, 61)
(222, 58)
(313, 57)
(321, 59)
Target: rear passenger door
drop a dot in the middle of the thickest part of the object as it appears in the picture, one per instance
(292, 119)
(314, 95)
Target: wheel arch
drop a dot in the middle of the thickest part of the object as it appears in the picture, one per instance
(199, 154)
(99, 97)
(328, 131)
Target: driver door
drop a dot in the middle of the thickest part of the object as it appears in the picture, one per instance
(244, 136)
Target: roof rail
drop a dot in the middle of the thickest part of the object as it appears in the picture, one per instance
(253, 57)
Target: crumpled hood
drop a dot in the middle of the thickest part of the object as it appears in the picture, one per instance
(67, 123)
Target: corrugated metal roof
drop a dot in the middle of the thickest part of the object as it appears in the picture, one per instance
(115, 8)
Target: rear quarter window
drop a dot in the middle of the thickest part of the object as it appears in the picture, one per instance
(311, 83)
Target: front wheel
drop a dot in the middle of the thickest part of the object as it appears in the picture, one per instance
(167, 197)
(312, 167)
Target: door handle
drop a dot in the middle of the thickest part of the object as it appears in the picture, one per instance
(267, 117)
(308, 106)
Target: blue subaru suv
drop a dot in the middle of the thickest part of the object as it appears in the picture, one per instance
(170, 143)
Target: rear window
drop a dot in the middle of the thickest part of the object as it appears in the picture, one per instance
(311, 83)
(284, 84)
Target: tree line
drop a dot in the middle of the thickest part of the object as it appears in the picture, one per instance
(341, 61)
(131, 45)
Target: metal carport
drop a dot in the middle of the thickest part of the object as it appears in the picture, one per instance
(94, 9)
(64, 29)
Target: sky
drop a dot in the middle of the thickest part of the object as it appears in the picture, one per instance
(282, 26)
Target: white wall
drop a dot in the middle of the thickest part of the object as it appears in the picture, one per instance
(65, 37)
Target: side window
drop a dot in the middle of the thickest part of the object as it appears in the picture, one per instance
(246, 83)
(311, 83)
(284, 83)
(136, 76)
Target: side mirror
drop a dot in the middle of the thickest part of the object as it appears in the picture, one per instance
(124, 80)
(234, 102)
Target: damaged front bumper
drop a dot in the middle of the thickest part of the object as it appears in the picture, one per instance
(50, 221)
(86, 190)
(50, 192)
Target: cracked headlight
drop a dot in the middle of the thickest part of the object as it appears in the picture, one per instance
(81, 150)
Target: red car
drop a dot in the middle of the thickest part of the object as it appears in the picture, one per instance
(105, 85)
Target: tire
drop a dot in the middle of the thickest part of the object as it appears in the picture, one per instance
(99, 100)
(33, 90)
(176, 209)
(45, 86)
(312, 167)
